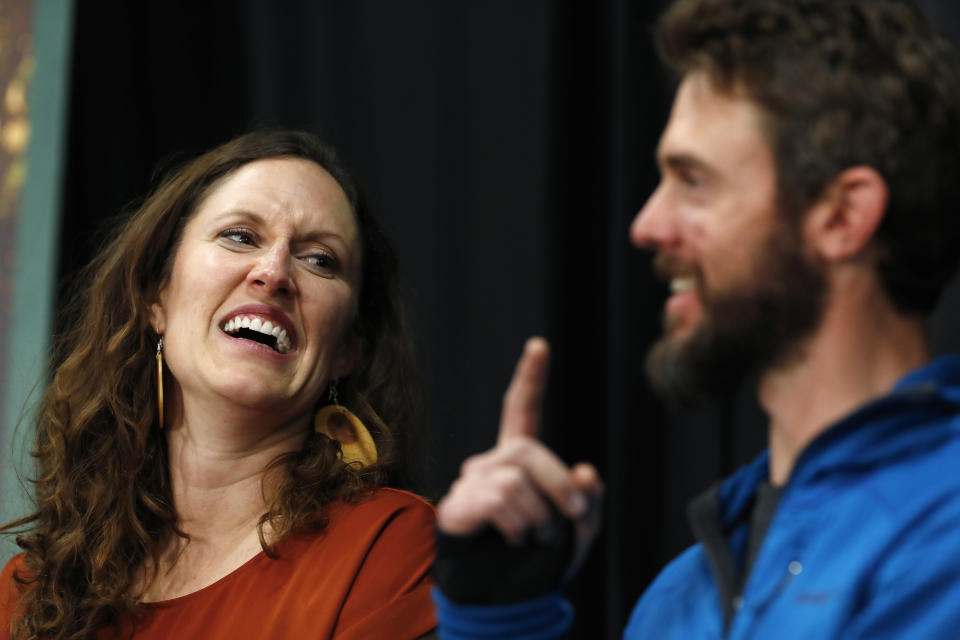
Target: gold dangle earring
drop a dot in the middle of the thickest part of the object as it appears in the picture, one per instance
(160, 380)
(340, 424)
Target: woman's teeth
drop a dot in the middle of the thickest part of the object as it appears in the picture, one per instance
(280, 342)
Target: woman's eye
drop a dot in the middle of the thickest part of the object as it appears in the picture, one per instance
(238, 235)
(323, 262)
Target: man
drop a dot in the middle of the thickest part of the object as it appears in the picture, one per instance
(808, 216)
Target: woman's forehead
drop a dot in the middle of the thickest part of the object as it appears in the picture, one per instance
(283, 190)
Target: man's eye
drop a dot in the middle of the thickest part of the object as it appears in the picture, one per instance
(690, 179)
(238, 235)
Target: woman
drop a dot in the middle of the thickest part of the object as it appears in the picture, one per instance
(203, 502)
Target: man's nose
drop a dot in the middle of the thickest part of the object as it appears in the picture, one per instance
(655, 225)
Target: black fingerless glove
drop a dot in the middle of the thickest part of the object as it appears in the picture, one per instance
(484, 569)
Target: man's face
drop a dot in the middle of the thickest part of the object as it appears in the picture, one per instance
(744, 291)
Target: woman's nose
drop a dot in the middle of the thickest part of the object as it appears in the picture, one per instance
(272, 272)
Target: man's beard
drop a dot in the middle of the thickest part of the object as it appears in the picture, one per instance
(756, 327)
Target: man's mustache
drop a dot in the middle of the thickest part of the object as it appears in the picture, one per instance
(668, 267)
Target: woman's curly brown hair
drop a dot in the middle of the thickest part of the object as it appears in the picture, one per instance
(104, 509)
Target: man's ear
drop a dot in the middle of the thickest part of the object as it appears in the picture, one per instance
(843, 222)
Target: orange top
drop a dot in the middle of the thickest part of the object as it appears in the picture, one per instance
(367, 575)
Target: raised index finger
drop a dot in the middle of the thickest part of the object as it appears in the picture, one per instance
(521, 403)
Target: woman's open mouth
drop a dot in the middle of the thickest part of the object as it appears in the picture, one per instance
(260, 331)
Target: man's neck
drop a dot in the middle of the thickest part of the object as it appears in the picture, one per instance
(860, 350)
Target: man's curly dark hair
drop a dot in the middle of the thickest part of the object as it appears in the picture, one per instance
(843, 83)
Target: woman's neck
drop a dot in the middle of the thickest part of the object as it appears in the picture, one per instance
(221, 486)
(218, 465)
(218, 455)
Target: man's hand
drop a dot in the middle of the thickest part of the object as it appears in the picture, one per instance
(511, 486)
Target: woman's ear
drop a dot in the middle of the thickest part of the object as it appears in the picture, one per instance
(156, 314)
(844, 221)
(350, 356)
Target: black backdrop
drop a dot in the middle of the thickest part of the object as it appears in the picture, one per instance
(505, 147)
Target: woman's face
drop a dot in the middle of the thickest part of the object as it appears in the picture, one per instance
(263, 290)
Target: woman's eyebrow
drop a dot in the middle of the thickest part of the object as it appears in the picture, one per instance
(313, 235)
(242, 213)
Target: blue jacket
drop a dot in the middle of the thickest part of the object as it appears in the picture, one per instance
(864, 543)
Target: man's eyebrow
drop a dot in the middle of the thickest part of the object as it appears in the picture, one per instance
(683, 161)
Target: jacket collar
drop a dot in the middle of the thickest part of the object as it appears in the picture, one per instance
(917, 400)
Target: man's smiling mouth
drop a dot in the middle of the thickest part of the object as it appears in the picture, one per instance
(681, 284)
(260, 331)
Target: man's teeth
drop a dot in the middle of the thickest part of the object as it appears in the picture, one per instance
(260, 326)
(679, 285)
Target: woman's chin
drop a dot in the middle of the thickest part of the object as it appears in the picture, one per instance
(257, 397)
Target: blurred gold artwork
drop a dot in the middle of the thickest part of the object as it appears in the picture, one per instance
(16, 70)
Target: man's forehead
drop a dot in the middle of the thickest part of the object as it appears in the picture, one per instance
(705, 121)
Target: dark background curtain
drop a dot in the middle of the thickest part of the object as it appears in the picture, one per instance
(505, 147)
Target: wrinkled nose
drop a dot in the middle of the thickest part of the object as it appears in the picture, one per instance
(271, 273)
(655, 225)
